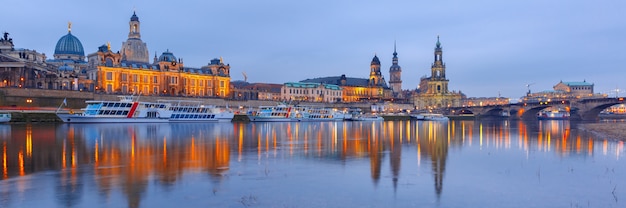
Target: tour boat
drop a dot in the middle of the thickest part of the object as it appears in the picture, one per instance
(434, 117)
(279, 112)
(195, 111)
(553, 115)
(366, 117)
(126, 110)
(5, 117)
(321, 114)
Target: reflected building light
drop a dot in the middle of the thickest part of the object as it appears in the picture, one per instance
(605, 147)
(63, 155)
(29, 141)
(240, 144)
(480, 135)
(95, 153)
(419, 155)
(590, 147)
(164, 151)
(5, 171)
(20, 157)
(578, 145)
(619, 149)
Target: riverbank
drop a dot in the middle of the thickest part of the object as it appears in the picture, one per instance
(616, 131)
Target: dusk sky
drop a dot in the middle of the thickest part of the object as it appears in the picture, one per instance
(489, 47)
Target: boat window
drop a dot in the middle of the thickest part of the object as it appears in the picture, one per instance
(119, 112)
(212, 116)
(125, 112)
(116, 105)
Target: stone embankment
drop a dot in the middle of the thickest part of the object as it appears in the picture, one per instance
(616, 131)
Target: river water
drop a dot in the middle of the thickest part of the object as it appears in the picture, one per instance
(310, 164)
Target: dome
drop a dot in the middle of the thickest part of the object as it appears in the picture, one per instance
(375, 60)
(69, 44)
(134, 17)
(167, 56)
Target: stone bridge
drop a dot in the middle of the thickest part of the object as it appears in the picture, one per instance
(580, 109)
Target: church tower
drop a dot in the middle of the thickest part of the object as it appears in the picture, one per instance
(376, 78)
(395, 72)
(134, 50)
(438, 83)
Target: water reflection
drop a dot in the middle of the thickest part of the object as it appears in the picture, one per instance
(131, 157)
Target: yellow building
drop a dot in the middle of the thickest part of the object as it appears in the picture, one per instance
(129, 73)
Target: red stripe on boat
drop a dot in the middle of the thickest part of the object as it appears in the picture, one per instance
(132, 110)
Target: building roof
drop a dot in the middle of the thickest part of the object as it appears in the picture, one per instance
(167, 56)
(583, 83)
(312, 85)
(336, 80)
(69, 44)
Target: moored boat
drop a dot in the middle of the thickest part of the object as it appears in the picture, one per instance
(126, 110)
(278, 113)
(434, 117)
(553, 115)
(5, 117)
(195, 111)
(366, 117)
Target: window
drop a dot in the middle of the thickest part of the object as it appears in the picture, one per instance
(221, 83)
(155, 90)
(109, 76)
(209, 83)
(155, 79)
(135, 79)
(145, 80)
(109, 88)
(201, 83)
(124, 77)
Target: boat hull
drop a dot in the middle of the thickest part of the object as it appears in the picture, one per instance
(77, 118)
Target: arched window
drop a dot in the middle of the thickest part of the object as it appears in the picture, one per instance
(108, 62)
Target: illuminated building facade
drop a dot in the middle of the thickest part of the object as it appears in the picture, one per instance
(70, 67)
(312, 92)
(433, 91)
(129, 72)
(358, 89)
(576, 89)
(21, 68)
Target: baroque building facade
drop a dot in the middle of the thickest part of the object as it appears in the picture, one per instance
(130, 72)
(433, 92)
(311, 92)
(372, 89)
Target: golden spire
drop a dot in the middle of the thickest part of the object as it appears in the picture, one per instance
(108, 46)
(69, 26)
(221, 60)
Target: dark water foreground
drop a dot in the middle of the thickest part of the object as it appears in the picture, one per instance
(328, 164)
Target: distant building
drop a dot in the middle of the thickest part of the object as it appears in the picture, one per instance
(564, 90)
(433, 91)
(70, 67)
(576, 89)
(21, 68)
(484, 101)
(312, 92)
(129, 72)
(359, 89)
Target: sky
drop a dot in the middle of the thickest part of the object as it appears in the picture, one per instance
(490, 48)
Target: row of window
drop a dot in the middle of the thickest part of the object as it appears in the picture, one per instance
(155, 80)
(190, 109)
(205, 116)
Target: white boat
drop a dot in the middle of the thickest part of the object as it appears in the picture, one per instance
(416, 117)
(434, 117)
(126, 110)
(195, 111)
(320, 114)
(279, 112)
(5, 117)
(553, 115)
(366, 117)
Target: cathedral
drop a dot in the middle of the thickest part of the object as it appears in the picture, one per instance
(433, 92)
(129, 71)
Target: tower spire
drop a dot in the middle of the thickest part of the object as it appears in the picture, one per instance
(69, 27)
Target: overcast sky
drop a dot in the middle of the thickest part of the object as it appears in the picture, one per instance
(489, 47)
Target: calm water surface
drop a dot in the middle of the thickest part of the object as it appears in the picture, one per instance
(327, 164)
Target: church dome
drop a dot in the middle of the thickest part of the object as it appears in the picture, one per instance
(375, 60)
(167, 56)
(69, 44)
(134, 17)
